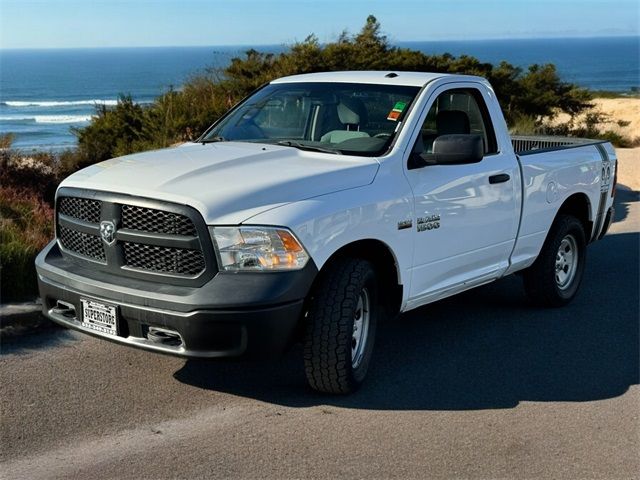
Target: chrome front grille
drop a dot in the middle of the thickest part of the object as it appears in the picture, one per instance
(151, 237)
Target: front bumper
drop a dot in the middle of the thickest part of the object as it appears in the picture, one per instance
(231, 315)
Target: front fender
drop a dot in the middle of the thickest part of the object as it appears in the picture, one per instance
(327, 223)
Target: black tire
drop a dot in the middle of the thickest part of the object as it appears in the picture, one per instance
(541, 283)
(330, 326)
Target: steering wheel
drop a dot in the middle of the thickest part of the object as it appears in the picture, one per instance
(382, 135)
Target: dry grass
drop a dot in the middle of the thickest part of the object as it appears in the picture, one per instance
(26, 226)
(616, 120)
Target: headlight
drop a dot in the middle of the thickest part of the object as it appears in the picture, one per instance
(257, 248)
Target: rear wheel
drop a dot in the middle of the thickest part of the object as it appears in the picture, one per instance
(341, 326)
(553, 280)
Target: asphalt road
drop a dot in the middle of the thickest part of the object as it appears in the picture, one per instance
(481, 385)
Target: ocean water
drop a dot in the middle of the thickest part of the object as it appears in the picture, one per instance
(45, 93)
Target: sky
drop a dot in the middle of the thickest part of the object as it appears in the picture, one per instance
(117, 23)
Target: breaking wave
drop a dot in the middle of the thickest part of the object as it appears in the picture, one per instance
(48, 118)
(56, 103)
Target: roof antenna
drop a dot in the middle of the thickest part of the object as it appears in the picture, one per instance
(391, 75)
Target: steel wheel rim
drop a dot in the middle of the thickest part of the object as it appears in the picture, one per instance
(360, 328)
(566, 262)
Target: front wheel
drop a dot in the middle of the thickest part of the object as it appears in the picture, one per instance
(341, 326)
(553, 280)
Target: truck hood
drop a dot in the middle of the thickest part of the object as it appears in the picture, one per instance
(227, 182)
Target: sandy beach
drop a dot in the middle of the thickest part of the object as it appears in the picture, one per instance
(620, 115)
(624, 115)
(629, 167)
(624, 119)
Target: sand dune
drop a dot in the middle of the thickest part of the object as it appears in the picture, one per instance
(629, 167)
(624, 115)
(622, 111)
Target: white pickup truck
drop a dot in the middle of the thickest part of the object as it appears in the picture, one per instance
(314, 208)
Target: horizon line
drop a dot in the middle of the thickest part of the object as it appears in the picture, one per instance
(288, 44)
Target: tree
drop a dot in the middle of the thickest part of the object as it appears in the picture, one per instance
(534, 94)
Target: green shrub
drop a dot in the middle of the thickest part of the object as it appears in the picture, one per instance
(17, 270)
(26, 226)
(35, 173)
(6, 139)
(633, 93)
(112, 132)
(618, 140)
(524, 125)
(536, 93)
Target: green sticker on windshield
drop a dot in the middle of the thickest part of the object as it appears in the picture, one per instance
(400, 106)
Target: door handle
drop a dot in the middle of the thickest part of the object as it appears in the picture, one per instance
(500, 178)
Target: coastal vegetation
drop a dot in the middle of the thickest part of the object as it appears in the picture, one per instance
(530, 95)
(26, 213)
(533, 100)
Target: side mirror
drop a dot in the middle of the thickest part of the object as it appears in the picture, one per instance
(458, 149)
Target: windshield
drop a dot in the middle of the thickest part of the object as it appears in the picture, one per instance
(341, 118)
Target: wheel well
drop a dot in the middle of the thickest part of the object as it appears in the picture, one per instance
(384, 262)
(578, 205)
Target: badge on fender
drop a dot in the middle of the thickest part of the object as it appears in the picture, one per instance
(428, 223)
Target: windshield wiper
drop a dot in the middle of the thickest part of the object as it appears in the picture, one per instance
(304, 146)
(215, 139)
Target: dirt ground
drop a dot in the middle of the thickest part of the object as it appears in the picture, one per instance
(620, 115)
(623, 118)
(621, 111)
(629, 167)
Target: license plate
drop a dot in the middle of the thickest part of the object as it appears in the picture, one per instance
(99, 317)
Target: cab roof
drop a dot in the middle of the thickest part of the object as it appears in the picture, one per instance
(416, 79)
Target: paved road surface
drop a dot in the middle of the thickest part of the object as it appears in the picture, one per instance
(481, 385)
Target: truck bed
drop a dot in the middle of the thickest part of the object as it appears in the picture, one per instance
(527, 144)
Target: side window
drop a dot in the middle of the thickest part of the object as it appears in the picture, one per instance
(459, 111)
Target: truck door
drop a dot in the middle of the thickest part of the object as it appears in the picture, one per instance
(466, 216)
